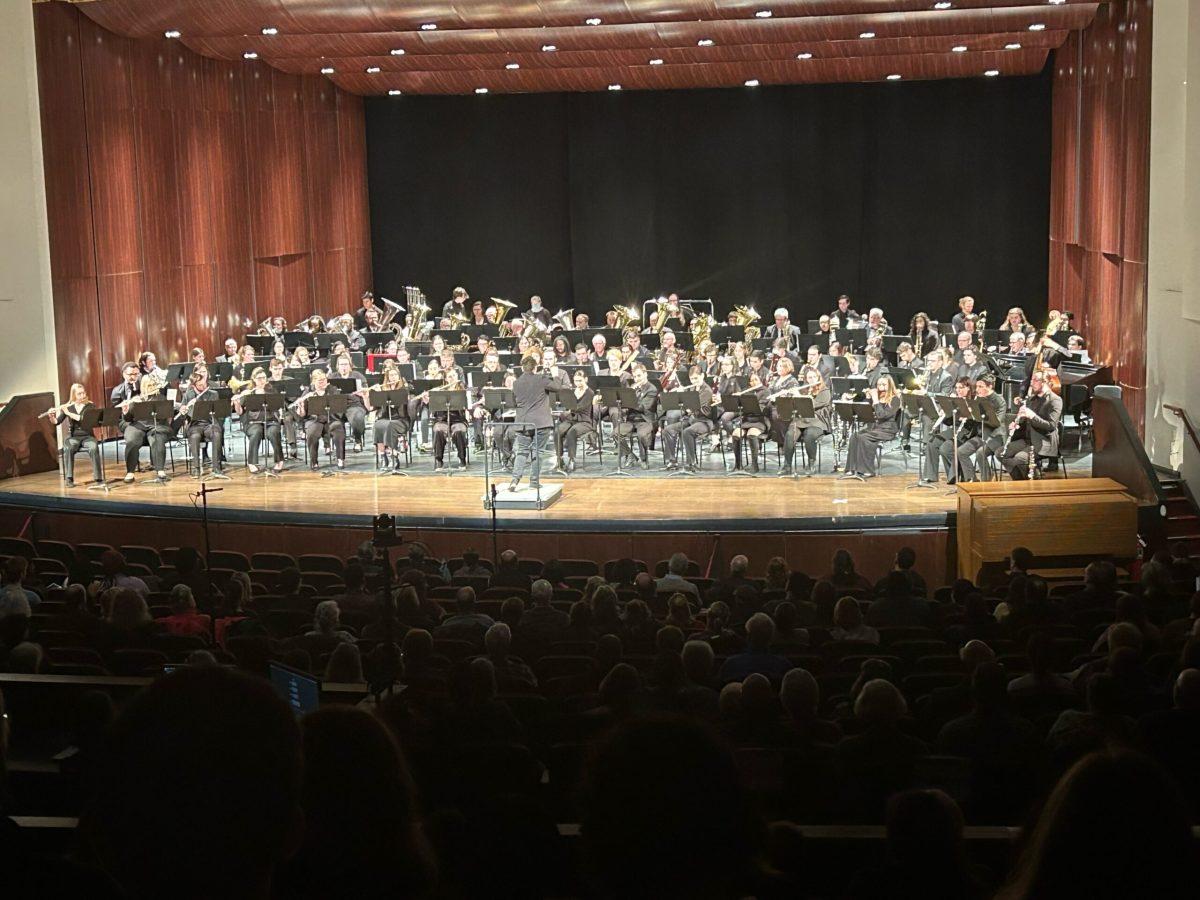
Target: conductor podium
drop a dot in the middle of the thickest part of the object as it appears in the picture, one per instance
(1075, 518)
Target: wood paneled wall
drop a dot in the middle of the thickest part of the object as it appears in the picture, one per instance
(189, 198)
(1100, 199)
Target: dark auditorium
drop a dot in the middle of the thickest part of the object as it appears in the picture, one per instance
(600, 450)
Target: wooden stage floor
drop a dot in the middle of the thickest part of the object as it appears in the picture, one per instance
(636, 504)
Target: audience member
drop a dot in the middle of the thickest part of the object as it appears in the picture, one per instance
(113, 574)
(777, 574)
(508, 573)
(698, 697)
(800, 696)
(898, 605)
(757, 657)
(465, 624)
(512, 675)
(471, 566)
(189, 570)
(355, 597)
(15, 598)
(184, 619)
(345, 665)
(1041, 686)
(905, 560)
(880, 759)
(737, 578)
(674, 581)
(1172, 736)
(326, 619)
(843, 576)
(848, 623)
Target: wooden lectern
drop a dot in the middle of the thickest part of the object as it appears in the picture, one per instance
(1060, 517)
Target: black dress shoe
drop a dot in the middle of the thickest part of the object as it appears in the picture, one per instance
(70, 482)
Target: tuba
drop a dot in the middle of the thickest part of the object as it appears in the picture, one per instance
(564, 318)
(500, 309)
(625, 316)
(418, 312)
(458, 320)
(701, 329)
(746, 317)
(393, 310)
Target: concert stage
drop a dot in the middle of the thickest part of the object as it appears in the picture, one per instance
(298, 497)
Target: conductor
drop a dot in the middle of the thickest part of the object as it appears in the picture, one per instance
(530, 393)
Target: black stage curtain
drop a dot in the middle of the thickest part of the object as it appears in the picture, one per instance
(902, 195)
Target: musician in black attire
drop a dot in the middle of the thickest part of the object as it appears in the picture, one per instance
(321, 424)
(783, 328)
(449, 424)
(641, 419)
(984, 438)
(356, 410)
(360, 314)
(260, 423)
(751, 428)
(390, 423)
(689, 428)
(202, 427)
(921, 335)
(531, 396)
(1035, 429)
(579, 420)
(77, 438)
(966, 307)
(860, 452)
(122, 398)
(940, 444)
(843, 311)
(457, 304)
(808, 430)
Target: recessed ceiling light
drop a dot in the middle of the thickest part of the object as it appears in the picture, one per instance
(594, 20)
(327, 70)
(804, 55)
(249, 54)
(512, 65)
(399, 51)
(894, 77)
(373, 70)
(481, 90)
(943, 4)
(866, 35)
(751, 82)
(656, 62)
(1012, 46)
(763, 14)
(1037, 26)
(172, 34)
(429, 26)
(614, 87)
(992, 73)
(548, 48)
(270, 30)
(959, 49)
(704, 42)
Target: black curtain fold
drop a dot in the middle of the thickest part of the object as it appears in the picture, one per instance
(905, 196)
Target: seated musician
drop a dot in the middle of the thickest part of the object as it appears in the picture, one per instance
(77, 437)
(198, 356)
(741, 360)
(243, 369)
(457, 304)
(874, 367)
(148, 365)
(391, 425)
(808, 429)
(710, 355)
(633, 340)
(824, 323)
(971, 365)
(139, 432)
(202, 425)
(674, 312)
(843, 312)
(783, 328)
(756, 365)
(478, 316)
(726, 386)
(640, 420)
(1016, 344)
(301, 358)
(289, 418)
(979, 438)
(582, 356)
(356, 411)
(877, 325)
(1015, 322)
(689, 427)
(749, 429)
(279, 351)
(863, 445)
(610, 319)
(1078, 347)
(907, 358)
(231, 351)
(599, 347)
(939, 445)
(780, 349)
(1034, 431)
(938, 377)
(581, 321)
(259, 423)
(962, 340)
(448, 425)
(360, 314)
(561, 347)
(667, 344)
(324, 423)
(550, 367)
(921, 334)
(579, 421)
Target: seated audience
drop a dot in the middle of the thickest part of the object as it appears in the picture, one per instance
(848, 623)
(465, 624)
(184, 619)
(326, 619)
(674, 581)
(512, 675)
(898, 605)
(757, 657)
(843, 576)
(508, 573)
(345, 665)
(112, 566)
(800, 696)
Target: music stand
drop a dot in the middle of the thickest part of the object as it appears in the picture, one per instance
(856, 414)
(447, 401)
(214, 411)
(621, 398)
(392, 405)
(921, 406)
(333, 406)
(958, 411)
(99, 417)
(159, 412)
(177, 372)
(273, 404)
(687, 402)
(788, 409)
(746, 405)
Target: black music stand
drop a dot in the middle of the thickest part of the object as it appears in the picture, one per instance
(213, 411)
(791, 408)
(395, 404)
(99, 417)
(686, 401)
(746, 405)
(856, 414)
(261, 343)
(620, 398)
(958, 411)
(177, 372)
(159, 412)
(333, 406)
(448, 401)
(273, 404)
(922, 407)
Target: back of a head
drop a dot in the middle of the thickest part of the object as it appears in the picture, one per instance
(906, 558)
(677, 564)
(974, 654)
(646, 825)
(508, 559)
(1186, 693)
(760, 631)
(541, 592)
(464, 601)
(799, 693)
(1021, 558)
(738, 565)
(182, 600)
(668, 639)
(879, 703)
(498, 640)
(187, 560)
(359, 798)
(345, 664)
(1101, 575)
(417, 646)
(786, 616)
(619, 685)
(843, 562)
(1037, 590)
(470, 558)
(698, 660)
(197, 788)
(1114, 827)
(758, 699)
(327, 616)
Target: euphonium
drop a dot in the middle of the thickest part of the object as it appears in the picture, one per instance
(500, 309)
(565, 318)
(458, 320)
(625, 316)
(746, 317)
(701, 329)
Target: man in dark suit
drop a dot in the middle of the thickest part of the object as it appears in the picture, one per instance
(530, 393)
(1037, 429)
(783, 328)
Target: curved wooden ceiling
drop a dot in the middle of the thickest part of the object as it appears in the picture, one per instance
(501, 45)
